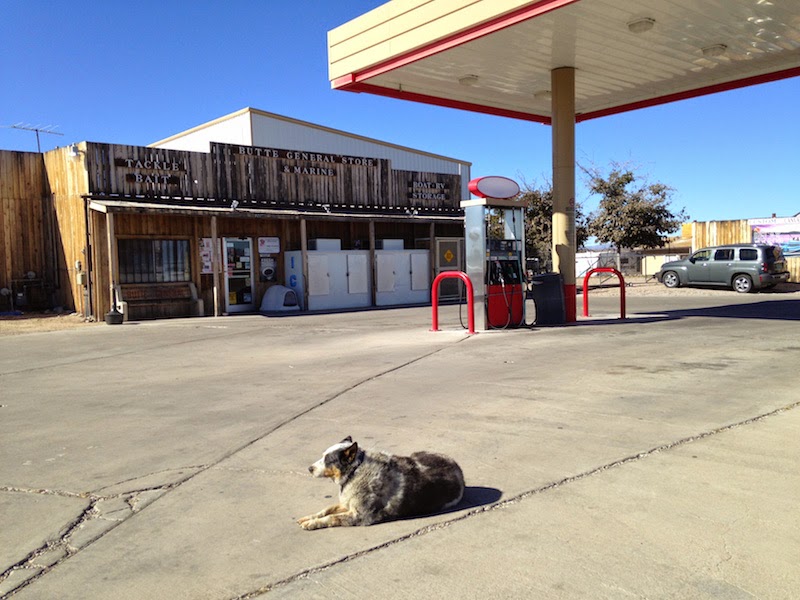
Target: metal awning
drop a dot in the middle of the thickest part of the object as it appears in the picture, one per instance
(496, 56)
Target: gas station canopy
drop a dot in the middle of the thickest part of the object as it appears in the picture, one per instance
(564, 61)
(496, 56)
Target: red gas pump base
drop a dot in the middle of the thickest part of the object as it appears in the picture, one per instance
(498, 300)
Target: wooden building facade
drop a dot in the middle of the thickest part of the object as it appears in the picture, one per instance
(158, 232)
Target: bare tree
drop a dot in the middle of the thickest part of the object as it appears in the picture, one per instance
(631, 215)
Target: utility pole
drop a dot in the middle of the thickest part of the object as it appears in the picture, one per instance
(37, 129)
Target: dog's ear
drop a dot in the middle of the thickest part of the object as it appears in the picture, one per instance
(351, 452)
(347, 440)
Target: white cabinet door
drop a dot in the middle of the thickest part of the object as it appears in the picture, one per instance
(357, 279)
(386, 265)
(319, 283)
(420, 271)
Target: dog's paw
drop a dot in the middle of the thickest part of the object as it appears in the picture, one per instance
(302, 520)
(309, 523)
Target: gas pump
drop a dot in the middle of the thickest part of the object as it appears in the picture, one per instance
(505, 294)
(495, 249)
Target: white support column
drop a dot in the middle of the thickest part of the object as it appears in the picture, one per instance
(373, 262)
(215, 265)
(113, 272)
(563, 123)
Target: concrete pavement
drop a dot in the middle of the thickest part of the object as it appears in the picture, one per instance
(654, 457)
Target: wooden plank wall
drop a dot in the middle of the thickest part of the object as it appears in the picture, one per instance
(295, 179)
(25, 243)
(793, 264)
(718, 233)
(67, 182)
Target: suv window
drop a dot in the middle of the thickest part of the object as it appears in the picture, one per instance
(748, 254)
(701, 255)
(724, 254)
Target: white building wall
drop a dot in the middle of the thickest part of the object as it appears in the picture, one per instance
(231, 129)
(280, 133)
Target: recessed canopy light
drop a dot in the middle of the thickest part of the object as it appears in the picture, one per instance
(641, 25)
(468, 80)
(543, 95)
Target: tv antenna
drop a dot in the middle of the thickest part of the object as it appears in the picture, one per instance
(37, 129)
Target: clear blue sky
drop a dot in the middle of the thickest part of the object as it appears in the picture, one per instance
(136, 72)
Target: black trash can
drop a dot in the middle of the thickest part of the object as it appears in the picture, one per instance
(547, 292)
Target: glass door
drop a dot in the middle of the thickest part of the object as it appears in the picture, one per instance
(239, 275)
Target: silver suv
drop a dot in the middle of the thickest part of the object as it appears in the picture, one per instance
(743, 267)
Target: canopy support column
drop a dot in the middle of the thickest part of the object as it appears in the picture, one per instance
(563, 123)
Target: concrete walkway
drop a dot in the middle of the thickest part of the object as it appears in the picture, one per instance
(655, 457)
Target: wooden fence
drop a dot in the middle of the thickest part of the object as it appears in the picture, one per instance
(26, 227)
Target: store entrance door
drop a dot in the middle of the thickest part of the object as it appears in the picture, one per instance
(239, 275)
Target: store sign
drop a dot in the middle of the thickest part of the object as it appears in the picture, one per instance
(150, 170)
(295, 170)
(325, 164)
(429, 190)
(269, 245)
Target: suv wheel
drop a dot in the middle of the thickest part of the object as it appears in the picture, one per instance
(671, 279)
(742, 283)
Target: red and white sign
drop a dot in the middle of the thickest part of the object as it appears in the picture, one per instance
(494, 186)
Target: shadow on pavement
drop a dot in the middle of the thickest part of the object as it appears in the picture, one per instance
(475, 496)
(781, 310)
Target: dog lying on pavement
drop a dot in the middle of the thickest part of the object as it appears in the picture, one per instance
(377, 486)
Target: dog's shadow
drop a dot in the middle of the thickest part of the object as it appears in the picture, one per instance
(475, 496)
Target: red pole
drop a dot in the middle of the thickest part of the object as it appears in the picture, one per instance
(435, 299)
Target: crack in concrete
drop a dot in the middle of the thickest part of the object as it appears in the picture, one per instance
(91, 512)
(179, 470)
(60, 547)
(94, 521)
(516, 499)
(44, 492)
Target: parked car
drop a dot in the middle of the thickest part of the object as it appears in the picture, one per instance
(742, 267)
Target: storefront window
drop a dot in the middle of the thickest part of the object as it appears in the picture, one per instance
(154, 261)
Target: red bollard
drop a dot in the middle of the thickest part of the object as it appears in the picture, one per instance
(586, 289)
(435, 298)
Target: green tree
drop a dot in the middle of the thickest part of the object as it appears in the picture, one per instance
(538, 202)
(630, 215)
